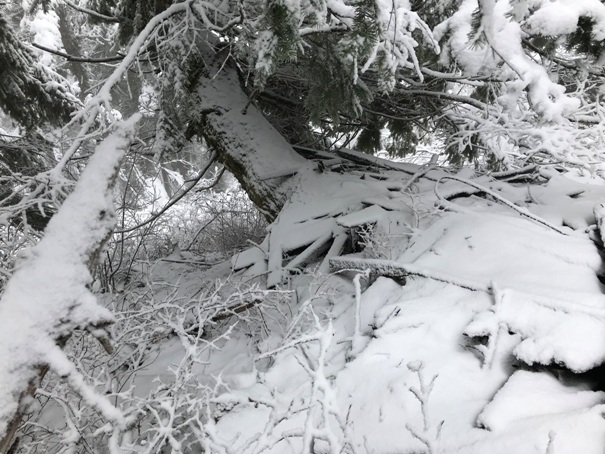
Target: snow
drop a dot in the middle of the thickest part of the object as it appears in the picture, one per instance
(479, 351)
(48, 297)
(533, 394)
(483, 341)
(44, 28)
(569, 333)
(503, 54)
(370, 215)
(471, 272)
(561, 17)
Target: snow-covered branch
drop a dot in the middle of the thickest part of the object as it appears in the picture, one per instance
(48, 296)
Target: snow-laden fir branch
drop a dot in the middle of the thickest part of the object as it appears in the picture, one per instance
(90, 12)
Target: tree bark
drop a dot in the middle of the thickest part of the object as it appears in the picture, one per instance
(248, 145)
(72, 48)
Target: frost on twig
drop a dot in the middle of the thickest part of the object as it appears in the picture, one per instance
(47, 298)
(179, 408)
(319, 424)
(427, 437)
(496, 331)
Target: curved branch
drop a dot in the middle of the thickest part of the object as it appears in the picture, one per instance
(90, 12)
(201, 15)
(172, 202)
(78, 59)
(88, 115)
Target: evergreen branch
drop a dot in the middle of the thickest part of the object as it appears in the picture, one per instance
(278, 99)
(486, 11)
(411, 117)
(200, 15)
(569, 64)
(473, 80)
(78, 59)
(90, 12)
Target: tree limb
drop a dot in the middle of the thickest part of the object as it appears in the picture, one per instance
(90, 12)
(34, 324)
(399, 271)
(78, 59)
(175, 199)
(448, 96)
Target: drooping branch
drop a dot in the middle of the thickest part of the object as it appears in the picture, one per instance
(449, 97)
(187, 187)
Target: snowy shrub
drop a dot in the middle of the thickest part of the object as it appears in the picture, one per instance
(211, 224)
(228, 223)
(155, 375)
(376, 243)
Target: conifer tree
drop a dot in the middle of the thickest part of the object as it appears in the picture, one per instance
(30, 93)
(383, 74)
(258, 80)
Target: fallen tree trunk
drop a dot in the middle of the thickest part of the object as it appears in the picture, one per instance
(400, 271)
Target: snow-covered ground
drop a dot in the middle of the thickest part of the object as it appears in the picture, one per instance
(488, 345)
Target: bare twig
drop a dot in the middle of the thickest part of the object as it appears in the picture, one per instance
(175, 199)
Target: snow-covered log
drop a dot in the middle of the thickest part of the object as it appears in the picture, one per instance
(48, 297)
(399, 271)
(377, 268)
